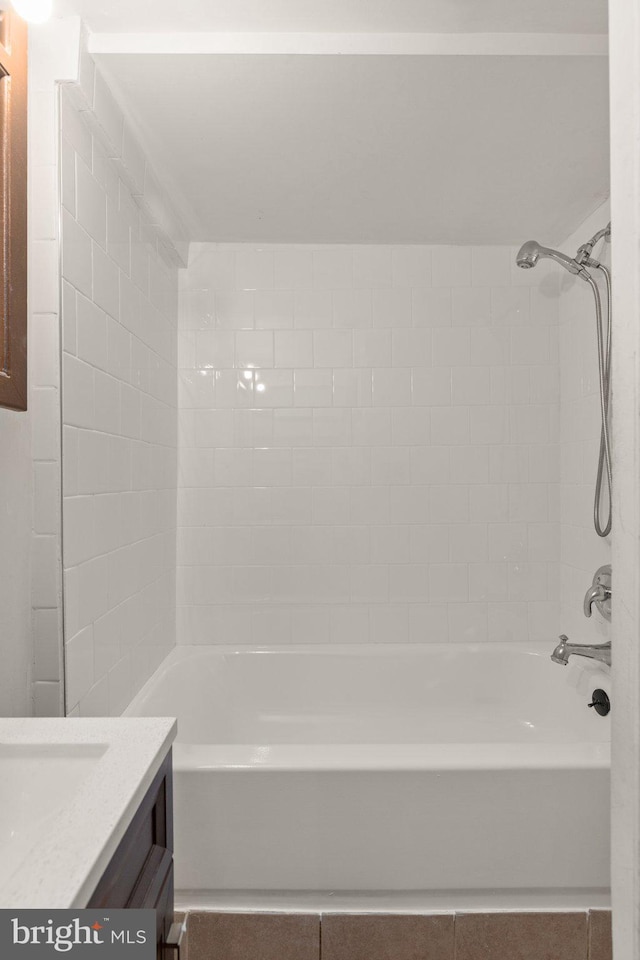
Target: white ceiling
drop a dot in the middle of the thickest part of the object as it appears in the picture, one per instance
(430, 16)
(261, 146)
(375, 149)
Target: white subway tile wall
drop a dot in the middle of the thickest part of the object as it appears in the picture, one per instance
(119, 423)
(44, 389)
(368, 445)
(582, 551)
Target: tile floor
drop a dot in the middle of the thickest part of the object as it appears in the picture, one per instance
(470, 936)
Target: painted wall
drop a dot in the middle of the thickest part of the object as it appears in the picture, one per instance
(15, 524)
(624, 25)
(582, 550)
(368, 445)
(119, 292)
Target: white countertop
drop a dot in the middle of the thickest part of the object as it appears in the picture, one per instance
(65, 862)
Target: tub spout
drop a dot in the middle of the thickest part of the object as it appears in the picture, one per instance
(596, 651)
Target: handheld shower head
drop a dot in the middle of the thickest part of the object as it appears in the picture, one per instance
(528, 255)
(531, 251)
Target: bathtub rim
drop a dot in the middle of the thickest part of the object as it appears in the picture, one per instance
(184, 651)
(405, 902)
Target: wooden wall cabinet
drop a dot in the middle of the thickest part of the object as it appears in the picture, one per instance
(13, 211)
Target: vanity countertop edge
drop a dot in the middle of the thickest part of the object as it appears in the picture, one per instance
(65, 867)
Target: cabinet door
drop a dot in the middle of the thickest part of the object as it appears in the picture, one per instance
(140, 873)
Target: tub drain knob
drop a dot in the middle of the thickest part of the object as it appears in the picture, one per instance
(601, 702)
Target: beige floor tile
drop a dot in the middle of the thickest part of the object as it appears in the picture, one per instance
(254, 936)
(600, 947)
(521, 936)
(386, 937)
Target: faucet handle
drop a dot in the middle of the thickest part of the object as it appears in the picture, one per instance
(596, 594)
(559, 655)
(599, 593)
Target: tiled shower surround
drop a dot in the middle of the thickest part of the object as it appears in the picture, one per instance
(368, 445)
(119, 305)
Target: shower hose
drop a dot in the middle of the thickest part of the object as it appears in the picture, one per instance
(604, 374)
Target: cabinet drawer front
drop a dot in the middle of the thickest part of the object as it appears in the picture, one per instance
(152, 879)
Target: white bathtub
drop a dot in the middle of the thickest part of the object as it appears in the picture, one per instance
(437, 767)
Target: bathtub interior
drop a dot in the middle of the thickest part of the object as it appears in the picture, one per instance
(379, 694)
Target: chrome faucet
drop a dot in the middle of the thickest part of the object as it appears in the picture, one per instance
(597, 651)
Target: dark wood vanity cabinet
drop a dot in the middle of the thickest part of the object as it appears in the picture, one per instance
(140, 874)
